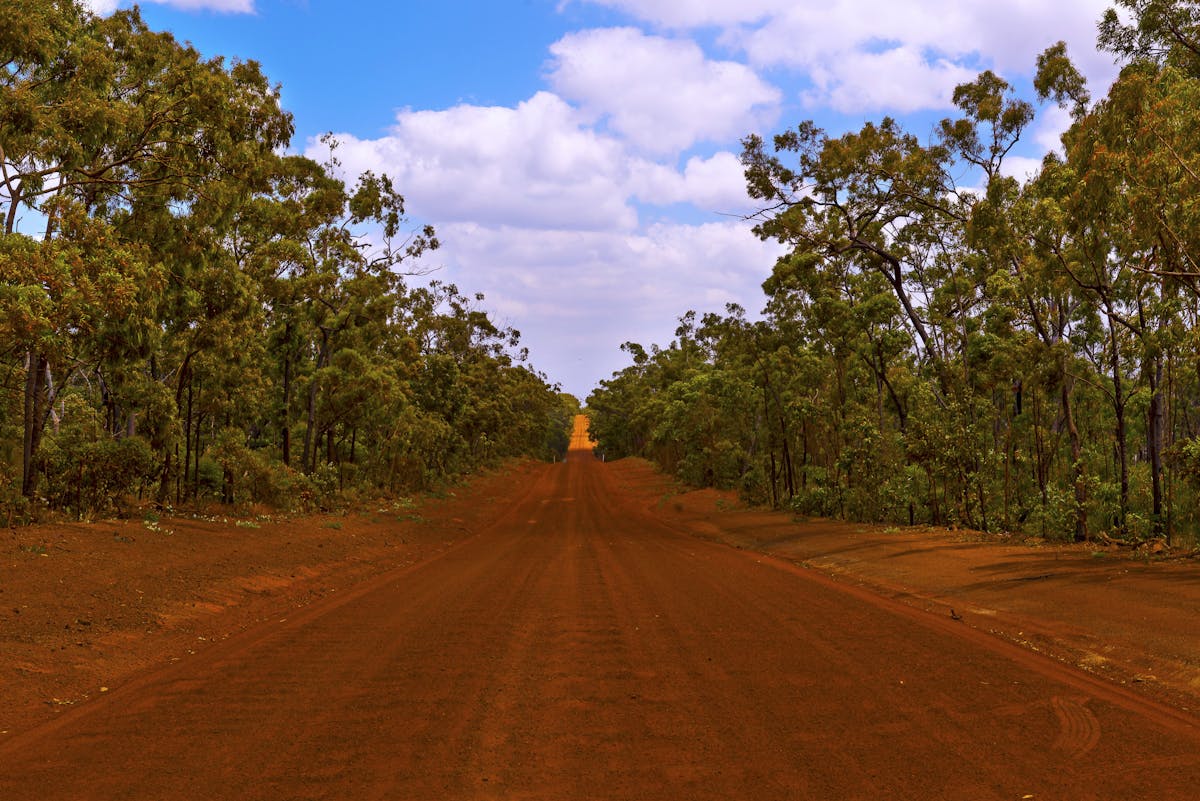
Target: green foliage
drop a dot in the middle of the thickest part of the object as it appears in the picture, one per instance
(559, 423)
(240, 474)
(202, 318)
(88, 472)
(1188, 460)
(697, 413)
(1161, 31)
(1019, 359)
(15, 508)
(326, 486)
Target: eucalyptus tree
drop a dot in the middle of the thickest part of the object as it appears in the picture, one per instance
(1033, 311)
(104, 118)
(752, 352)
(877, 196)
(331, 260)
(1021, 345)
(1160, 31)
(1125, 193)
(273, 239)
(878, 209)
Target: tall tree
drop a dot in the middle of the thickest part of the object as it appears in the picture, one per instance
(110, 118)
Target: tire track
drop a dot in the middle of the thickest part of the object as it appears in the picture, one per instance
(599, 654)
(1080, 729)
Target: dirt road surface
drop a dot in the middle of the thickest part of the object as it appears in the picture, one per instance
(578, 646)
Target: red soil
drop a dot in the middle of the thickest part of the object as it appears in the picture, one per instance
(585, 631)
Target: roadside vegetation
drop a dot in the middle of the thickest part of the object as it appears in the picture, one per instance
(186, 313)
(946, 344)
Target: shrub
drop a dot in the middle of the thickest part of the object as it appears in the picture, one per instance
(14, 507)
(254, 475)
(92, 476)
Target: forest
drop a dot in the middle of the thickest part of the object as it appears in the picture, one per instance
(944, 344)
(189, 313)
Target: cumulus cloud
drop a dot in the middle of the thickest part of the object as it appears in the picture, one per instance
(578, 295)
(1023, 168)
(879, 55)
(103, 7)
(226, 6)
(536, 165)
(662, 95)
(695, 13)
(870, 56)
(1052, 123)
(900, 79)
(715, 184)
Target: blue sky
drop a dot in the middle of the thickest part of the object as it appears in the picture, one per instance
(350, 65)
(578, 157)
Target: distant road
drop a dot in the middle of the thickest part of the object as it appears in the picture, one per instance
(580, 648)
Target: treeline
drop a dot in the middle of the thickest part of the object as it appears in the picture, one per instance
(1021, 357)
(186, 313)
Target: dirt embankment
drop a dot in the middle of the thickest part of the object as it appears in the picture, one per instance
(84, 606)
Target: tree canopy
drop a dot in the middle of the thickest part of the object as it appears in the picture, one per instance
(186, 313)
(998, 354)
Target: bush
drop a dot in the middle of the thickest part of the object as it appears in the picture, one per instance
(14, 507)
(92, 476)
(1055, 520)
(326, 484)
(255, 477)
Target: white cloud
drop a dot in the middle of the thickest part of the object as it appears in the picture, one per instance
(577, 295)
(104, 7)
(662, 95)
(715, 184)
(226, 6)
(871, 56)
(882, 55)
(537, 166)
(695, 13)
(534, 166)
(1052, 123)
(1022, 168)
(900, 79)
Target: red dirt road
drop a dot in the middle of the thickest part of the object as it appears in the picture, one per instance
(579, 647)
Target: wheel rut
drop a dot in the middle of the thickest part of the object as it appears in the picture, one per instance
(577, 647)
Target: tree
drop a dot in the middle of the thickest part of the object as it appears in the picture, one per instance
(192, 297)
(106, 118)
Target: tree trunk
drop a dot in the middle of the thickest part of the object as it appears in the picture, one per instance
(1154, 440)
(310, 427)
(187, 437)
(1081, 521)
(285, 423)
(789, 474)
(309, 456)
(1170, 427)
(169, 469)
(35, 368)
(1040, 468)
(1119, 413)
